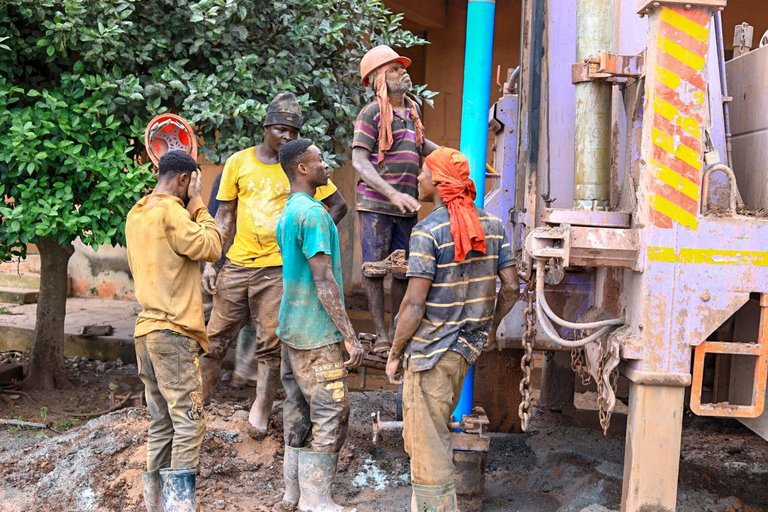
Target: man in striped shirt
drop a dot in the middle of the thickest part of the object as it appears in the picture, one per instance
(386, 150)
(451, 310)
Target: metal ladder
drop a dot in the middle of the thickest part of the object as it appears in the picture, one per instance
(758, 350)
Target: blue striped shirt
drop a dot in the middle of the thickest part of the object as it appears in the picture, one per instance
(462, 297)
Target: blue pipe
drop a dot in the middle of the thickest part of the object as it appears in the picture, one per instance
(474, 126)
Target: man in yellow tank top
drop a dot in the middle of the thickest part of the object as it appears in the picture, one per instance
(253, 193)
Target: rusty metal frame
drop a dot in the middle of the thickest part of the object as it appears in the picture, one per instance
(647, 6)
(758, 350)
(610, 67)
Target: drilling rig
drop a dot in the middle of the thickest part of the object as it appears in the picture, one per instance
(619, 155)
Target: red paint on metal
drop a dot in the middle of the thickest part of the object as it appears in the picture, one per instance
(687, 74)
(683, 39)
(677, 165)
(700, 15)
(660, 220)
(673, 130)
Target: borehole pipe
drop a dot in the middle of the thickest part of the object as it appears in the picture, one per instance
(476, 99)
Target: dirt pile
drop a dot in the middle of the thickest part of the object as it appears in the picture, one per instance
(557, 467)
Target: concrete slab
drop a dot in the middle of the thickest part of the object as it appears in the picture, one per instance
(18, 295)
(17, 327)
(20, 280)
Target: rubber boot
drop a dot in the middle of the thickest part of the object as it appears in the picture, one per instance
(316, 473)
(246, 368)
(209, 373)
(153, 498)
(268, 378)
(434, 498)
(178, 489)
(291, 480)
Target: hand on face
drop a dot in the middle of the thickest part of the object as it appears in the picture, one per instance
(195, 184)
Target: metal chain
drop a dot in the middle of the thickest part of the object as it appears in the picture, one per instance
(743, 35)
(529, 315)
(579, 365)
(604, 415)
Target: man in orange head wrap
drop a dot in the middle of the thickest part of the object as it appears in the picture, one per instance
(386, 151)
(450, 311)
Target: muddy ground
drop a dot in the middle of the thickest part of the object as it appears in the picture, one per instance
(96, 465)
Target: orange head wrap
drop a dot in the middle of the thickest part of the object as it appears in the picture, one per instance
(450, 172)
(386, 114)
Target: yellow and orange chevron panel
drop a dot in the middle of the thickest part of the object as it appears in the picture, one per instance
(677, 105)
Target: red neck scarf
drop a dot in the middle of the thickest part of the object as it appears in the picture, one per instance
(450, 172)
(386, 115)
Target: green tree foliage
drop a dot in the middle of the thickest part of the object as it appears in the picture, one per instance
(215, 62)
(79, 79)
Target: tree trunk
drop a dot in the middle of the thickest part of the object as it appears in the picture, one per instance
(46, 365)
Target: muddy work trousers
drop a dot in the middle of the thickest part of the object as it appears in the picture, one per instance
(429, 397)
(241, 289)
(170, 370)
(317, 400)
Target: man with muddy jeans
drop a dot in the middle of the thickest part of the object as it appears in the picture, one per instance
(446, 319)
(313, 322)
(254, 188)
(165, 241)
(386, 151)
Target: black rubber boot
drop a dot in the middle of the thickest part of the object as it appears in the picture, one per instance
(178, 490)
(153, 498)
(434, 498)
(316, 473)
(291, 479)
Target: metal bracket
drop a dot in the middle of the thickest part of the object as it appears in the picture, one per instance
(545, 243)
(609, 67)
(647, 6)
(758, 350)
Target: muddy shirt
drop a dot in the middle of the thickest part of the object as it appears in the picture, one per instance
(165, 243)
(261, 191)
(305, 229)
(462, 297)
(400, 167)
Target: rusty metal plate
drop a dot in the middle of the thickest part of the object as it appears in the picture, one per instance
(469, 442)
(586, 218)
(647, 6)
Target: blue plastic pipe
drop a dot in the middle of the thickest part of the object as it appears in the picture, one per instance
(474, 126)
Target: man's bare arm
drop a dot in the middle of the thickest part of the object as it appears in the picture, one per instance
(330, 297)
(361, 161)
(509, 293)
(225, 219)
(409, 318)
(337, 206)
(428, 147)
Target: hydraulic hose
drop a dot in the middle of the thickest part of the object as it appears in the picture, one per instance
(544, 314)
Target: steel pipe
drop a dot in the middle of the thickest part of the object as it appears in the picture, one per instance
(724, 88)
(592, 173)
(476, 100)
